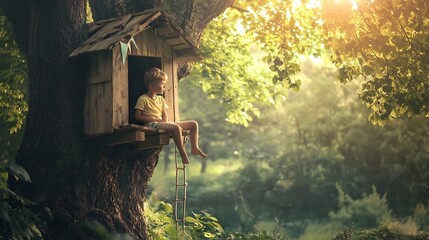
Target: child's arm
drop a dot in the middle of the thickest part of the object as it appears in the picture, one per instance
(145, 118)
(164, 116)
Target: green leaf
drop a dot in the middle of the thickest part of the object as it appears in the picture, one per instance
(294, 87)
(403, 109)
(367, 70)
(209, 235)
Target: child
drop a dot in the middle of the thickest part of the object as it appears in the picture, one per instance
(151, 109)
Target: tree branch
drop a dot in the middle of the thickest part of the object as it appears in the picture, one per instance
(240, 9)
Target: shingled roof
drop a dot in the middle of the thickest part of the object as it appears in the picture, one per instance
(105, 34)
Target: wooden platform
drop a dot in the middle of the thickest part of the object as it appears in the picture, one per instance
(144, 137)
(141, 136)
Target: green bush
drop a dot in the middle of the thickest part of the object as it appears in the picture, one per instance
(382, 233)
(18, 216)
(320, 231)
(199, 226)
(371, 211)
(161, 225)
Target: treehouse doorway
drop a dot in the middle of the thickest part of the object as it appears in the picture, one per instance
(137, 66)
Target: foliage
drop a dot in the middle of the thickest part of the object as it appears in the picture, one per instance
(199, 226)
(262, 235)
(12, 75)
(239, 79)
(320, 230)
(381, 233)
(370, 211)
(161, 224)
(286, 31)
(383, 41)
(19, 217)
(203, 226)
(421, 217)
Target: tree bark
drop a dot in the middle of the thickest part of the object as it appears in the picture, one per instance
(78, 178)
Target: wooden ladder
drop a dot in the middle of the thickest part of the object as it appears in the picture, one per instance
(180, 192)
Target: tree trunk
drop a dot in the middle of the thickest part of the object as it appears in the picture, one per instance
(78, 178)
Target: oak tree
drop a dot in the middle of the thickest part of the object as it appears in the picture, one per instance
(75, 178)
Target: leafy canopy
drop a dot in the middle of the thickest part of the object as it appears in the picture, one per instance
(387, 43)
(233, 70)
(384, 42)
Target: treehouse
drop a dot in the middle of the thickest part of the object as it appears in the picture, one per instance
(116, 54)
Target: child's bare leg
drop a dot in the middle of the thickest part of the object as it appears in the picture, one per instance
(193, 126)
(176, 130)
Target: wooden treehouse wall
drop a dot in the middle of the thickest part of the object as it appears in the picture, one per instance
(98, 107)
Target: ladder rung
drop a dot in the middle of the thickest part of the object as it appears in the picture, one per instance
(180, 168)
(180, 199)
(182, 185)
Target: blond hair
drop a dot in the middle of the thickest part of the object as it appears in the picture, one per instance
(152, 75)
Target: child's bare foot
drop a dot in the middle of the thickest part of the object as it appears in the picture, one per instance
(198, 151)
(185, 159)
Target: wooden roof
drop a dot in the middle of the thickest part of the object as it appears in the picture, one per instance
(105, 34)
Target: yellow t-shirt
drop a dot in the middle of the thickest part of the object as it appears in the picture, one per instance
(151, 107)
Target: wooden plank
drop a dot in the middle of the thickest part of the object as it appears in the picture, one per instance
(92, 110)
(97, 65)
(94, 27)
(134, 26)
(143, 25)
(177, 40)
(105, 37)
(92, 67)
(98, 105)
(143, 37)
(169, 94)
(134, 23)
(119, 89)
(188, 55)
(109, 29)
(104, 108)
(180, 47)
(151, 44)
(86, 115)
(98, 76)
(123, 137)
(153, 142)
(175, 87)
(159, 47)
(165, 31)
(99, 79)
(148, 131)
